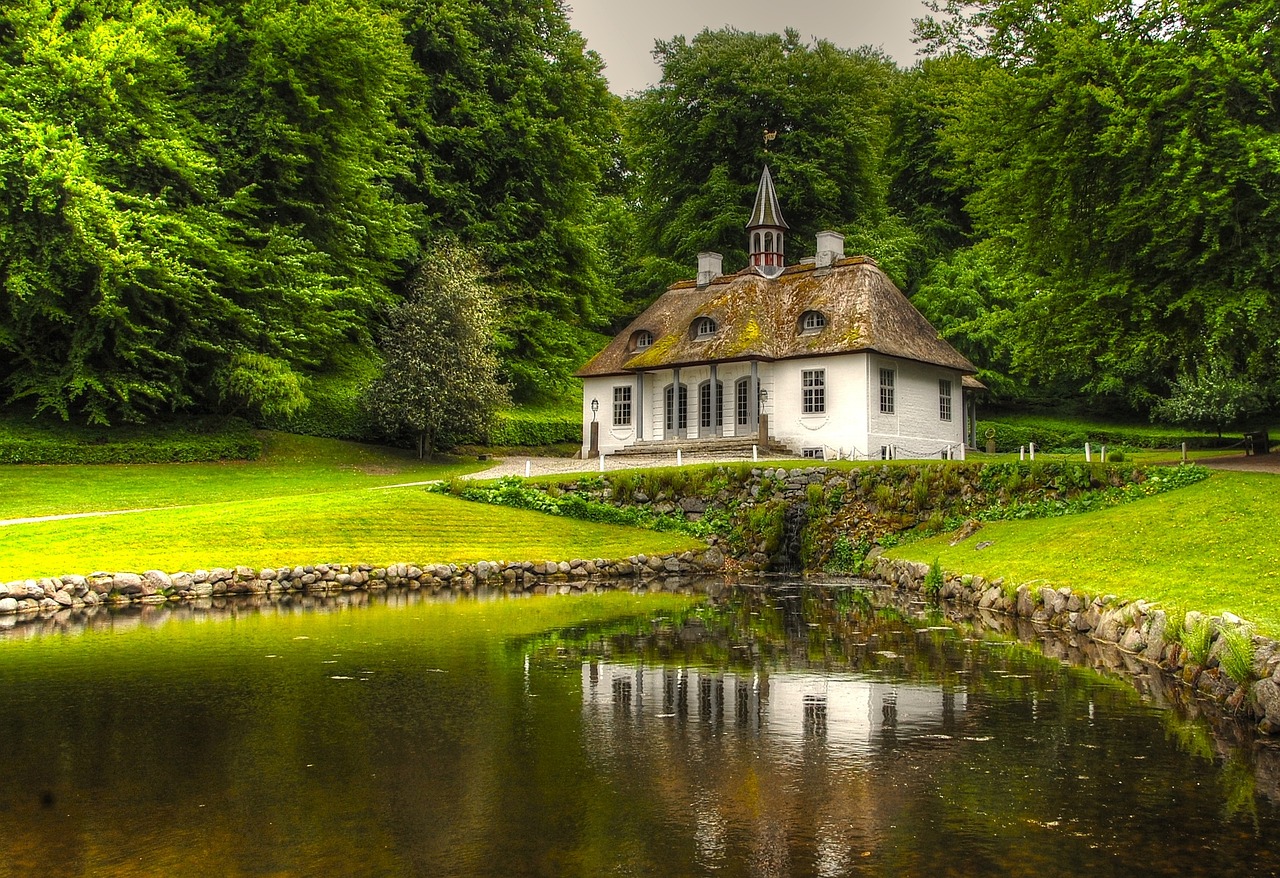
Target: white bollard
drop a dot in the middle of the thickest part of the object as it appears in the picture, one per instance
(1184, 452)
(1022, 453)
(679, 457)
(1033, 451)
(962, 451)
(602, 461)
(527, 469)
(1103, 455)
(755, 453)
(1088, 453)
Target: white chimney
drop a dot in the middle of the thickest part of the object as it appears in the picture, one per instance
(709, 267)
(830, 249)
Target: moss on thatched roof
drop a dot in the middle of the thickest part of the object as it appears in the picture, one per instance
(760, 319)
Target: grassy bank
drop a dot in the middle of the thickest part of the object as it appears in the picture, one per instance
(289, 466)
(305, 501)
(1209, 547)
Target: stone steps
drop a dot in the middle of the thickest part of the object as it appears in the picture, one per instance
(702, 449)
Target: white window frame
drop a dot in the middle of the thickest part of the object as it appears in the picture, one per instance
(704, 327)
(622, 406)
(944, 399)
(812, 321)
(644, 340)
(886, 391)
(813, 391)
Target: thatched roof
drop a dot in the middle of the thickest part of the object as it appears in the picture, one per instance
(760, 319)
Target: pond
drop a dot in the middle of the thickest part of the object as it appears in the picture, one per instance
(791, 730)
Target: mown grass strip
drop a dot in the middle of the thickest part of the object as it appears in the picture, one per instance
(1213, 546)
(373, 527)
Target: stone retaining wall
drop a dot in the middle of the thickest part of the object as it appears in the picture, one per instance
(1138, 628)
(51, 594)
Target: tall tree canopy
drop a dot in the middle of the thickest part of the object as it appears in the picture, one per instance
(1127, 157)
(514, 132)
(697, 142)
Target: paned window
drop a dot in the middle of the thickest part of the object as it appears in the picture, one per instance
(812, 321)
(944, 399)
(743, 401)
(813, 386)
(704, 327)
(644, 339)
(707, 410)
(677, 413)
(622, 406)
(886, 391)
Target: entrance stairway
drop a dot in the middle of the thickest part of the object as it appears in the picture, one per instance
(662, 451)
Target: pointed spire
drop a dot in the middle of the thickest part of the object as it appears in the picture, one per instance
(765, 230)
(767, 212)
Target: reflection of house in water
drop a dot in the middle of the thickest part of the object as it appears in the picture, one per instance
(844, 713)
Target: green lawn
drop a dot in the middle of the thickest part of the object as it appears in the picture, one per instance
(1213, 546)
(306, 501)
(361, 526)
(289, 466)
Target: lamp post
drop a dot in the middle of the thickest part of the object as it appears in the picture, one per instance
(594, 450)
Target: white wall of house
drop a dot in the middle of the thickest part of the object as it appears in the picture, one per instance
(851, 423)
(840, 429)
(915, 428)
(612, 436)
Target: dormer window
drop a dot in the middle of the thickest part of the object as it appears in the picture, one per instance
(641, 340)
(704, 327)
(812, 321)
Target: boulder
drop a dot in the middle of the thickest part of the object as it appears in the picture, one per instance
(127, 583)
(158, 580)
(8, 605)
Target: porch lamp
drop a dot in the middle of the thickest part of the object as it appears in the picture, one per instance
(595, 407)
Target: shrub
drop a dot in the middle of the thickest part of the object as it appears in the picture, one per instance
(1115, 457)
(518, 427)
(335, 409)
(933, 580)
(847, 557)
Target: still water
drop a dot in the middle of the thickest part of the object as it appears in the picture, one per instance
(783, 731)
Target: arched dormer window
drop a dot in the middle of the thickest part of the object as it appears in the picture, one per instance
(812, 321)
(641, 339)
(704, 327)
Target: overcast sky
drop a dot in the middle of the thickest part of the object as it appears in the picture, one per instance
(623, 31)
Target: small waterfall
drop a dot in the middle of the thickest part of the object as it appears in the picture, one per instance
(788, 560)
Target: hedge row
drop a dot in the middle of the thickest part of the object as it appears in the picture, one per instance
(523, 428)
(199, 441)
(1052, 436)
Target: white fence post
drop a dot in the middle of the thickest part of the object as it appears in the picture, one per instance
(602, 461)
(1088, 453)
(755, 453)
(1022, 453)
(1033, 451)
(1103, 455)
(679, 457)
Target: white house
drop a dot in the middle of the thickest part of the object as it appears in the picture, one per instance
(826, 357)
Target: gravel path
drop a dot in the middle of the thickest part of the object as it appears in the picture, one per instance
(1254, 463)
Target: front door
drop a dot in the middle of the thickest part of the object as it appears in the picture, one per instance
(676, 413)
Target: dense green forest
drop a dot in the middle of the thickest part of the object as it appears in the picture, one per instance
(221, 205)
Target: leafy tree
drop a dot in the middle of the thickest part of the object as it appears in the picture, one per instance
(1213, 395)
(1124, 156)
(440, 376)
(185, 192)
(697, 142)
